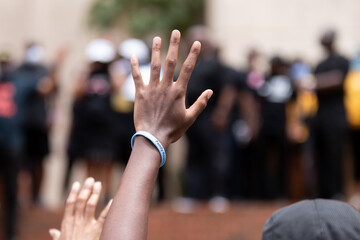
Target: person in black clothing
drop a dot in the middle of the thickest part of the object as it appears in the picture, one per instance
(329, 125)
(272, 143)
(93, 136)
(207, 169)
(14, 94)
(37, 107)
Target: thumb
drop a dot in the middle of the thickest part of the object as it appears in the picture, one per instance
(104, 213)
(54, 233)
(199, 106)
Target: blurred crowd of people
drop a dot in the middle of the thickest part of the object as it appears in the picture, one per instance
(275, 130)
(26, 97)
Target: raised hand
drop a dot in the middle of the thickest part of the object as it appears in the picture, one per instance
(79, 220)
(160, 105)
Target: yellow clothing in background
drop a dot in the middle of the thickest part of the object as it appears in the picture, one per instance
(352, 98)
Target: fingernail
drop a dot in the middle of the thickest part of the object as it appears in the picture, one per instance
(97, 186)
(110, 202)
(156, 40)
(75, 186)
(209, 94)
(197, 46)
(133, 58)
(89, 181)
(175, 33)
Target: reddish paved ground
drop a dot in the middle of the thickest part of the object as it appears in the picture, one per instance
(244, 221)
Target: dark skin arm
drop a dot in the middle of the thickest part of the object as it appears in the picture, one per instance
(250, 110)
(221, 114)
(79, 86)
(330, 80)
(160, 110)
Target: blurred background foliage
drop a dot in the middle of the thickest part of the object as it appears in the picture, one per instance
(144, 17)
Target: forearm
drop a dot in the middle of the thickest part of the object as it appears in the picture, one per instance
(249, 109)
(226, 99)
(329, 80)
(128, 217)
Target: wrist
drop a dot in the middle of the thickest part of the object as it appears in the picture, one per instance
(151, 139)
(147, 148)
(159, 135)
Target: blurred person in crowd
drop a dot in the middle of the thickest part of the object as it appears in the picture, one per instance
(352, 104)
(246, 126)
(122, 99)
(6, 66)
(329, 126)
(93, 137)
(300, 111)
(243, 124)
(14, 95)
(272, 159)
(36, 123)
(208, 162)
(256, 68)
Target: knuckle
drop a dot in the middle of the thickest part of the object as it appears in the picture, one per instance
(178, 92)
(91, 204)
(188, 67)
(136, 76)
(156, 47)
(171, 61)
(203, 104)
(81, 200)
(175, 40)
(155, 67)
(133, 64)
(70, 201)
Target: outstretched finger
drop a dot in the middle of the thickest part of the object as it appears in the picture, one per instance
(83, 198)
(54, 233)
(194, 111)
(189, 65)
(155, 61)
(171, 58)
(136, 72)
(71, 200)
(93, 201)
(104, 213)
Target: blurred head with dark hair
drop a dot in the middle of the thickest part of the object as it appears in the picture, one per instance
(328, 39)
(209, 46)
(5, 65)
(279, 66)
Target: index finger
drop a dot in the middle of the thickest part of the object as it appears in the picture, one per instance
(189, 64)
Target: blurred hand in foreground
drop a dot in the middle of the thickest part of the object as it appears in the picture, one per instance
(79, 221)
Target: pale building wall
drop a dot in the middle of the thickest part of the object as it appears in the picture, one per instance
(291, 28)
